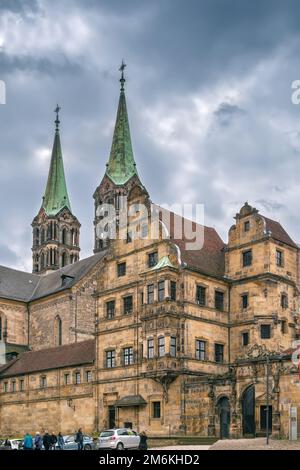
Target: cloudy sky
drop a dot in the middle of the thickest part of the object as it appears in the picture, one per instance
(209, 99)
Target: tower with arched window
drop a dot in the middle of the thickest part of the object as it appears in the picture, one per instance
(55, 228)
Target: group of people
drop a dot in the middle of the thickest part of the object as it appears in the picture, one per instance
(49, 441)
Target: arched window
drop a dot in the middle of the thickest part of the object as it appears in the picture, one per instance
(64, 236)
(58, 331)
(64, 259)
(36, 235)
(43, 260)
(43, 235)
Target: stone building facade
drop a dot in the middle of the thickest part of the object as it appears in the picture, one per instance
(150, 333)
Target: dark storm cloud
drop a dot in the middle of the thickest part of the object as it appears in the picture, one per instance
(208, 92)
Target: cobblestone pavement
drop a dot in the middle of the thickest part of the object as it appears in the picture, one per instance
(181, 448)
(255, 444)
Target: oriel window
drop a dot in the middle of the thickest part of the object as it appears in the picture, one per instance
(173, 290)
(173, 346)
(150, 293)
(150, 347)
(152, 259)
(161, 290)
(161, 346)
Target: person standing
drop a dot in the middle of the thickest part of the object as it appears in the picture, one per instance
(79, 439)
(60, 441)
(143, 441)
(53, 440)
(28, 442)
(38, 441)
(47, 440)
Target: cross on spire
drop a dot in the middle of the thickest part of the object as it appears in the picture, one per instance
(57, 121)
(121, 69)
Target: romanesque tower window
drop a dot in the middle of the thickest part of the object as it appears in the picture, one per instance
(152, 259)
(161, 346)
(127, 356)
(110, 309)
(219, 353)
(110, 359)
(127, 304)
(279, 258)
(150, 348)
(247, 258)
(201, 295)
(150, 293)
(200, 350)
(265, 331)
(121, 269)
(219, 300)
(161, 291)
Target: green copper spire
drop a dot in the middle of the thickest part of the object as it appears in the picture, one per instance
(121, 165)
(56, 194)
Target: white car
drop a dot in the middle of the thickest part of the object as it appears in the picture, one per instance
(122, 438)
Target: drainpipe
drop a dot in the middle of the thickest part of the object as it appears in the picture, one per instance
(28, 324)
(229, 327)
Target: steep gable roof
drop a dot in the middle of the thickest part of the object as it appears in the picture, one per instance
(278, 232)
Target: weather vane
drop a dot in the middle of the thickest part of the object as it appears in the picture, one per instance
(121, 69)
(57, 121)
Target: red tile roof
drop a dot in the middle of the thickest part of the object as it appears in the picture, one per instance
(51, 358)
(278, 232)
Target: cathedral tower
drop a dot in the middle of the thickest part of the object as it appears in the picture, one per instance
(55, 228)
(121, 176)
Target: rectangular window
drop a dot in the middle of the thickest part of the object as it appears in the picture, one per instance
(265, 331)
(13, 386)
(201, 295)
(279, 258)
(200, 350)
(247, 258)
(219, 300)
(173, 290)
(110, 359)
(245, 301)
(245, 339)
(127, 356)
(5, 387)
(247, 226)
(284, 301)
(219, 353)
(67, 379)
(161, 346)
(121, 269)
(156, 409)
(150, 293)
(152, 259)
(110, 309)
(88, 375)
(21, 384)
(161, 290)
(43, 381)
(150, 347)
(173, 346)
(142, 298)
(127, 304)
(77, 378)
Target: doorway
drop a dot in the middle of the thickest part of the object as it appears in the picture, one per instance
(248, 410)
(263, 418)
(224, 417)
(111, 417)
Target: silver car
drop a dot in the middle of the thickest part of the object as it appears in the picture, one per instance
(70, 444)
(122, 438)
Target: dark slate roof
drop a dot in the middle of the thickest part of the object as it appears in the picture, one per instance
(22, 286)
(278, 232)
(131, 400)
(210, 259)
(52, 358)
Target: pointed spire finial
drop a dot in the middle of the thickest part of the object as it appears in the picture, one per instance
(57, 121)
(122, 79)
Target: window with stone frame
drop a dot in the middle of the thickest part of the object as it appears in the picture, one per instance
(219, 300)
(121, 269)
(247, 226)
(110, 359)
(88, 375)
(156, 409)
(43, 381)
(247, 258)
(173, 289)
(173, 346)
(219, 353)
(67, 379)
(161, 346)
(77, 378)
(245, 301)
(161, 291)
(201, 349)
(152, 259)
(150, 293)
(5, 387)
(201, 295)
(265, 331)
(128, 356)
(150, 348)
(279, 258)
(127, 304)
(13, 386)
(21, 385)
(110, 309)
(245, 338)
(284, 302)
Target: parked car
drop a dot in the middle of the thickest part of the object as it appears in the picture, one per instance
(70, 444)
(119, 439)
